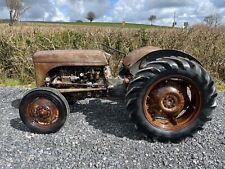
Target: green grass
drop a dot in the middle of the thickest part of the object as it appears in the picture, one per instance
(220, 86)
(11, 82)
(14, 82)
(102, 24)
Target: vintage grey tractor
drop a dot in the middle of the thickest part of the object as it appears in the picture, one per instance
(168, 94)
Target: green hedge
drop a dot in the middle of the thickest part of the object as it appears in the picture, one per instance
(19, 43)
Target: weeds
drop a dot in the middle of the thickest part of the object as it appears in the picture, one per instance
(19, 43)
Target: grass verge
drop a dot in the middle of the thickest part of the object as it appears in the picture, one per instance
(7, 82)
(220, 86)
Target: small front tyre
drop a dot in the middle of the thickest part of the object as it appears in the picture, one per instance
(43, 110)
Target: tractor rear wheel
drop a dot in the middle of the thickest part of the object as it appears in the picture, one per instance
(43, 110)
(171, 98)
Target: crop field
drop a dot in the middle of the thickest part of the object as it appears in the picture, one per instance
(20, 42)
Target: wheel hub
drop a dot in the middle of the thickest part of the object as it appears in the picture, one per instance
(168, 100)
(43, 111)
(172, 101)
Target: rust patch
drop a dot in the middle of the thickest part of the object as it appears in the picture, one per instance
(176, 112)
(42, 112)
(137, 54)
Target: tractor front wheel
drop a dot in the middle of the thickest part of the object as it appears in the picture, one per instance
(43, 110)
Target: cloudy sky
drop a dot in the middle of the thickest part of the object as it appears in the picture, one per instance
(135, 11)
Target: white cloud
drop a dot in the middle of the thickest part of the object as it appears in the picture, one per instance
(59, 17)
(136, 11)
(78, 9)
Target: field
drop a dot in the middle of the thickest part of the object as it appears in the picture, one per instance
(96, 24)
(19, 43)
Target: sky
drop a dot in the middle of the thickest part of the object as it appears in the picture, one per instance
(133, 11)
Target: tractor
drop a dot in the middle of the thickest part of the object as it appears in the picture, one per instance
(168, 93)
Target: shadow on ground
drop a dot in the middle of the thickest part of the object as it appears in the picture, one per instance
(17, 123)
(16, 103)
(109, 116)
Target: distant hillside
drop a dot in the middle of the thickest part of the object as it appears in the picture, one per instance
(4, 20)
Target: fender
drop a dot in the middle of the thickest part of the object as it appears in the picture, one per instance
(134, 60)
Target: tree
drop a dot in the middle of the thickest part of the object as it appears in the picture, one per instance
(212, 20)
(90, 16)
(186, 24)
(152, 18)
(16, 9)
(209, 20)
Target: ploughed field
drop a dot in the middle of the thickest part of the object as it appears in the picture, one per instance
(98, 134)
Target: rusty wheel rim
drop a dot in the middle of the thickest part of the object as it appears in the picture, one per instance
(42, 112)
(172, 103)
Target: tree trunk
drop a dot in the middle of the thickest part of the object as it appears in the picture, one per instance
(11, 17)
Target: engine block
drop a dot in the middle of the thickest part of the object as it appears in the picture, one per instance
(77, 77)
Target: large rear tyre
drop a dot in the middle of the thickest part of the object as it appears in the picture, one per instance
(43, 110)
(171, 98)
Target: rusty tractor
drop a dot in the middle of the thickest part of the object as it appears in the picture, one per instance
(169, 95)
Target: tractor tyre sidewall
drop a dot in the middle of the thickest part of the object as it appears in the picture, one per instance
(147, 77)
(56, 98)
(149, 128)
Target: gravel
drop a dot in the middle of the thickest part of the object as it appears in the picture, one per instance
(98, 134)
